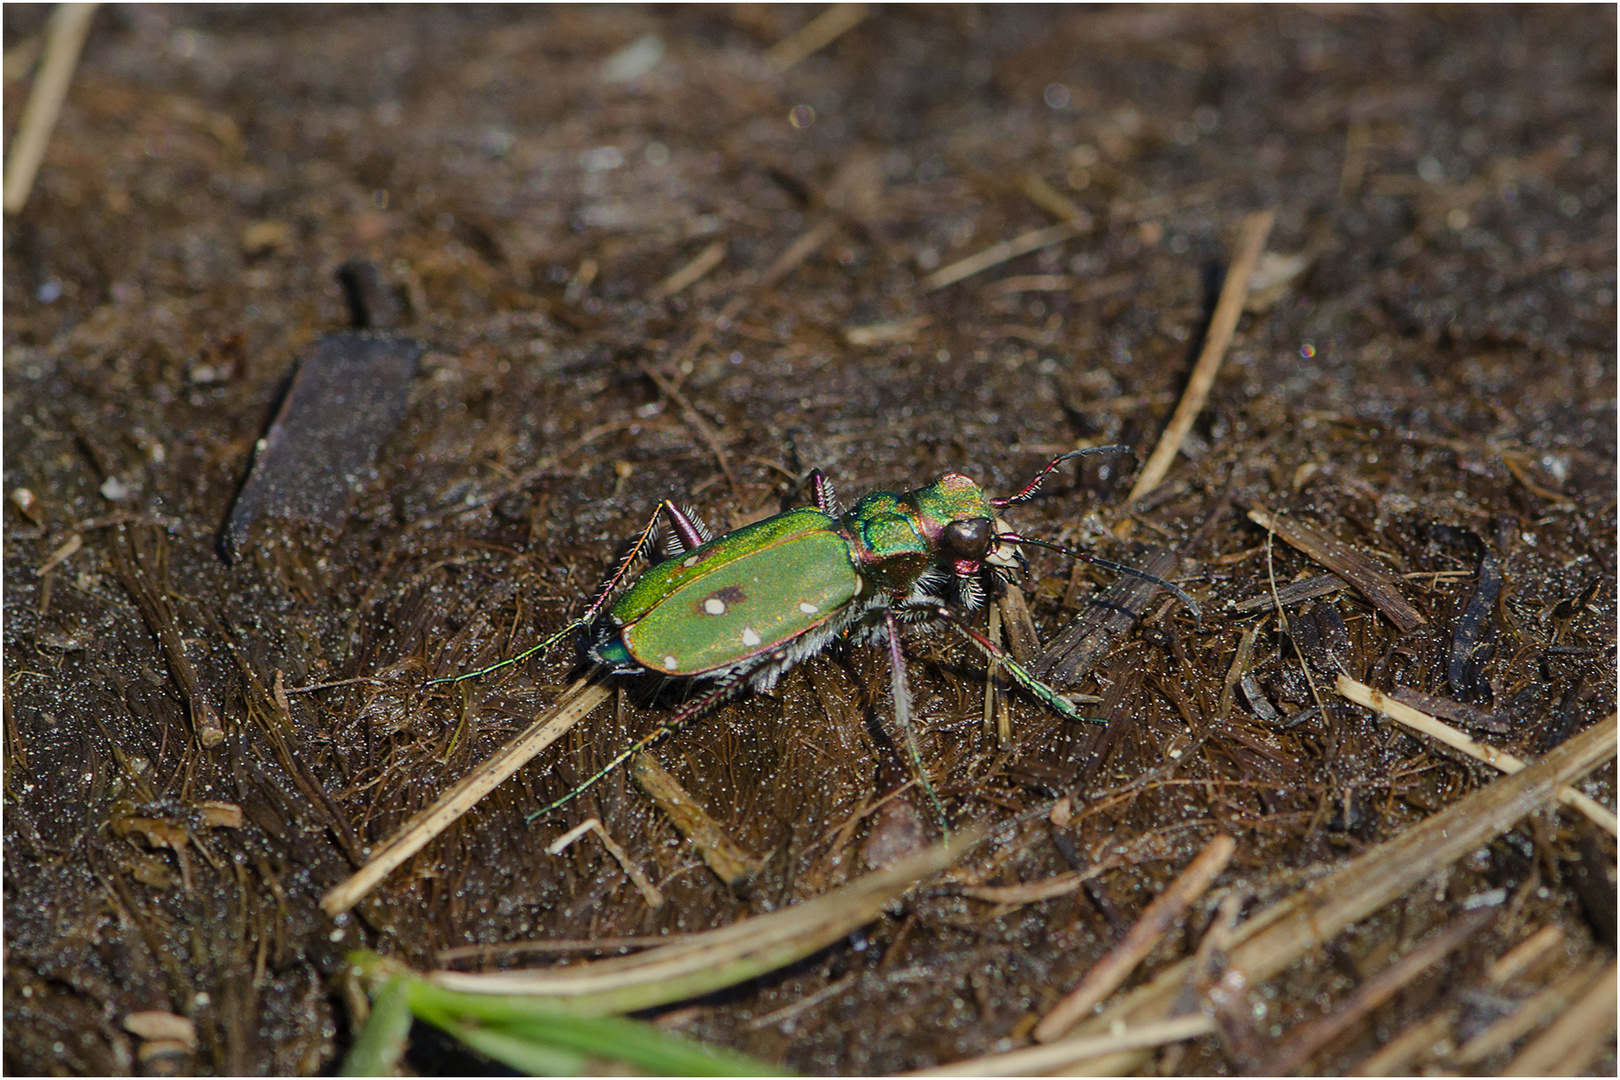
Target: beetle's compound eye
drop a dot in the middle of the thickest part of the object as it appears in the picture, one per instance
(968, 538)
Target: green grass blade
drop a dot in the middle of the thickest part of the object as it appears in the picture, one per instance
(519, 1050)
(381, 1042)
(534, 1035)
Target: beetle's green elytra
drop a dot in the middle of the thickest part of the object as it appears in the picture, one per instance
(738, 610)
(749, 592)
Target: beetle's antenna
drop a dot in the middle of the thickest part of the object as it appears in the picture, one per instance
(1020, 674)
(524, 655)
(1034, 485)
(637, 549)
(1109, 564)
(717, 694)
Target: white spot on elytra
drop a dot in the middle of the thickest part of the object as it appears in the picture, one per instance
(808, 609)
(749, 637)
(690, 560)
(670, 663)
(714, 606)
(860, 586)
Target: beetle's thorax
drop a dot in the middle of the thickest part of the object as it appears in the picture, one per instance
(898, 537)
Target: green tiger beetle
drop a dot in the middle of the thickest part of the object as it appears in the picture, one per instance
(738, 610)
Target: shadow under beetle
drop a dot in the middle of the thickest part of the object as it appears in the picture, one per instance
(738, 610)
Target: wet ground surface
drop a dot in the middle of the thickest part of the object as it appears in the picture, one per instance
(1430, 379)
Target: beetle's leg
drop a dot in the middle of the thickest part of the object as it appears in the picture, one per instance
(1048, 696)
(902, 713)
(826, 498)
(597, 604)
(1030, 488)
(969, 591)
(689, 530)
(715, 695)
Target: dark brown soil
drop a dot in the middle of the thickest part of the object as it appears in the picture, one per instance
(1436, 382)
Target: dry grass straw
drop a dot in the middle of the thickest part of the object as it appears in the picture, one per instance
(1306, 1039)
(576, 703)
(1001, 252)
(1328, 905)
(1034, 892)
(1574, 1039)
(730, 863)
(1525, 955)
(1362, 694)
(1060, 206)
(693, 272)
(1161, 915)
(555, 947)
(1222, 325)
(1286, 931)
(1531, 1014)
(815, 35)
(1069, 1052)
(65, 37)
(716, 958)
(1395, 1058)
(694, 420)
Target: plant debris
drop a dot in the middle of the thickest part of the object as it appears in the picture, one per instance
(695, 253)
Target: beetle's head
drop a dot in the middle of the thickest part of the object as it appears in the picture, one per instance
(966, 525)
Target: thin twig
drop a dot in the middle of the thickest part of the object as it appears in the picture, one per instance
(1001, 252)
(69, 25)
(1217, 939)
(1242, 661)
(329, 685)
(806, 244)
(1251, 242)
(1364, 885)
(1293, 593)
(706, 260)
(576, 703)
(810, 1001)
(815, 35)
(1053, 201)
(649, 891)
(1362, 694)
(1288, 631)
(1033, 892)
(695, 421)
(1162, 914)
(62, 554)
